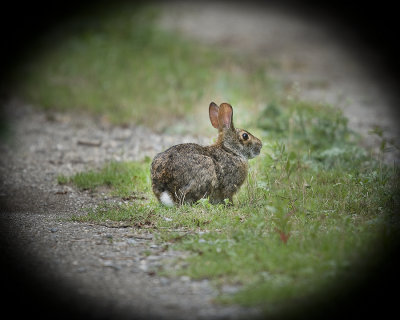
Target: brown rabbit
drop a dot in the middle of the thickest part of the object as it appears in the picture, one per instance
(188, 172)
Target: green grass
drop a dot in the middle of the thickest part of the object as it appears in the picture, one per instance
(125, 179)
(313, 205)
(307, 216)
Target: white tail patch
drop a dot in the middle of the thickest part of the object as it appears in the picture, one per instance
(166, 199)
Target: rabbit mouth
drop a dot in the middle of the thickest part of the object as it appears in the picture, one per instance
(255, 152)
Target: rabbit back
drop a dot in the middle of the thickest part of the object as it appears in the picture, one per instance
(189, 172)
(183, 173)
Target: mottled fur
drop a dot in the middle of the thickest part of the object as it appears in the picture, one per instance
(189, 172)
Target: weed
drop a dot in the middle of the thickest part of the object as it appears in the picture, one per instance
(62, 179)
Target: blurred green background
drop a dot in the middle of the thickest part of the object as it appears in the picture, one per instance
(123, 67)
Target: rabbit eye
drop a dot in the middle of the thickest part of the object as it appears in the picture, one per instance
(245, 136)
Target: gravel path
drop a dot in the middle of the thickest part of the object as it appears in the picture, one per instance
(106, 264)
(107, 271)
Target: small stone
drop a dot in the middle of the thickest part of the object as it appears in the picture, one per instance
(229, 289)
(131, 241)
(164, 281)
(81, 269)
(185, 278)
(143, 266)
(110, 264)
(153, 258)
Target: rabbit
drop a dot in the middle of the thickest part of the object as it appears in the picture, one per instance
(186, 173)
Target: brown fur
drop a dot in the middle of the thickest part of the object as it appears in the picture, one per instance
(189, 172)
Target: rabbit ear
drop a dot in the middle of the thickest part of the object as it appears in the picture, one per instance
(213, 112)
(225, 116)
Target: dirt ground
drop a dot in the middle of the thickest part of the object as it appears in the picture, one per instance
(104, 271)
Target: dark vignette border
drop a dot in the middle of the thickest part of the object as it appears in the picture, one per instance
(371, 27)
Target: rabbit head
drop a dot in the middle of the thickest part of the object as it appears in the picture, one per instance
(238, 141)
